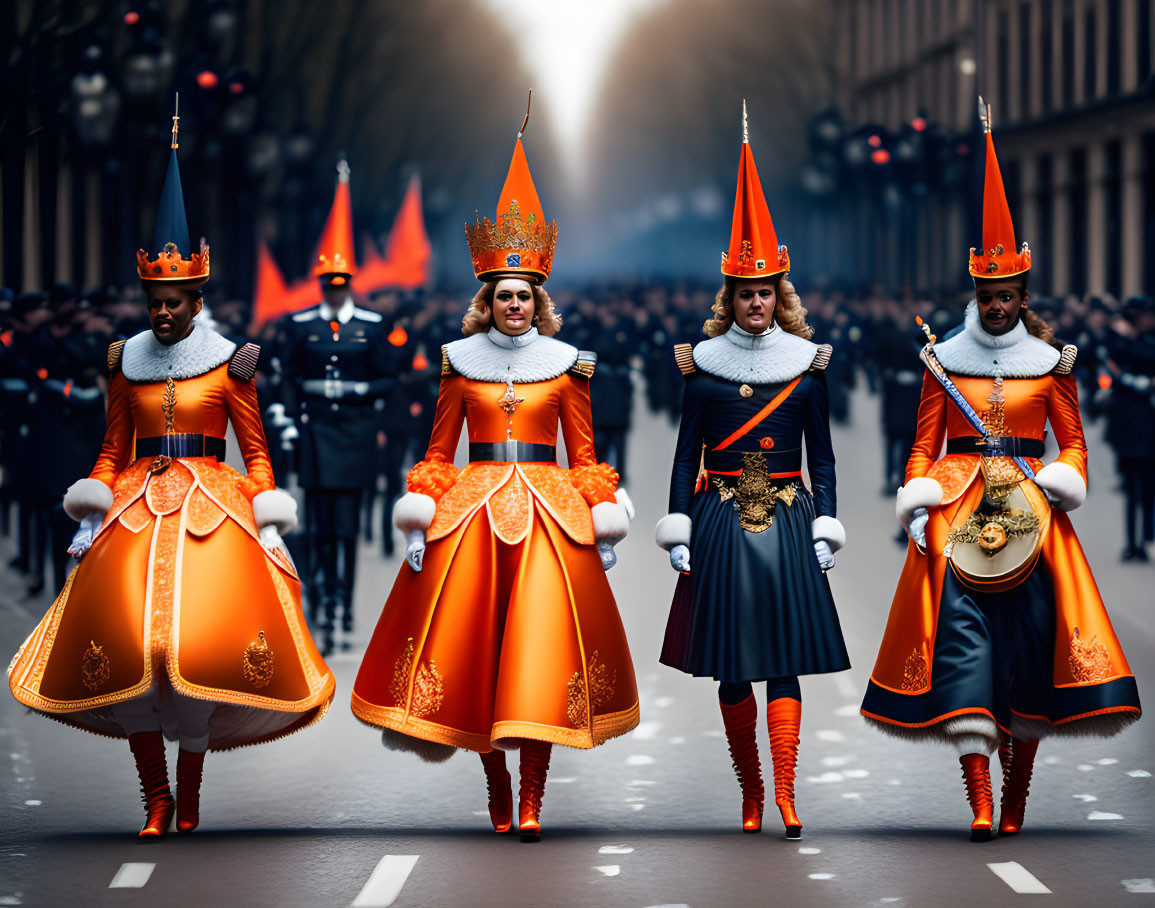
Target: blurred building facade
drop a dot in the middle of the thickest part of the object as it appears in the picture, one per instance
(1072, 92)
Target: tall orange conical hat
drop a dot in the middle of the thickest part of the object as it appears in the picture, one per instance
(335, 251)
(754, 249)
(520, 242)
(998, 258)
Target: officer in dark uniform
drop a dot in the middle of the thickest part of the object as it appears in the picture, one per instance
(335, 362)
(612, 388)
(896, 346)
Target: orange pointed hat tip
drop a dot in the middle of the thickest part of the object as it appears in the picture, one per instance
(998, 257)
(754, 250)
(519, 242)
(335, 250)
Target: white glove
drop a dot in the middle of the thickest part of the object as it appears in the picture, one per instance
(271, 539)
(84, 535)
(825, 555)
(415, 549)
(289, 434)
(606, 550)
(916, 530)
(680, 558)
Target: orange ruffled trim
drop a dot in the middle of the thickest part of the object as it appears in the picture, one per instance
(597, 482)
(432, 477)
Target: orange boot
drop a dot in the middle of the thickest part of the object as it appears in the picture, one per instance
(1016, 784)
(741, 721)
(977, 777)
(498, 782)
(189, 766)
(534, 766)
(784, 717)
(148, 750)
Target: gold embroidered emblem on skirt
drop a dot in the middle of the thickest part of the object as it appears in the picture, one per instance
(428, 687)
(915, 673)
(257, 665)
(1089, 660)
(601, 692)
(95, 669)
(754, 493)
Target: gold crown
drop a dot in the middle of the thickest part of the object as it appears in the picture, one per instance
(169, 266)
(513, 246)
(999, 262)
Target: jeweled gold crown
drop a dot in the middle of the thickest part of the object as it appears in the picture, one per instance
(1000, 262)
(515, 244)
(169, 266)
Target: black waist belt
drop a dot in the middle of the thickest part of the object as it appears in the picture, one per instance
(511, 452)
(730, 461)
(182, 445)
(996, 446)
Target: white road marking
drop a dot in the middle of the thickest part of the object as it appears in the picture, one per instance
(636, 799)
(386, 881)
(894, 781)
(132, 876)
(678, 740)
(1107, 761)
(15, 899)
(33, 803)
(893, 898)
(836, 761)
(1018, 878)
(809, 850)
(826, 778)
(639, 760)
(1103, 815)
(647, 731)
(820, 876)
(669, 906)
(1139, 885)
(663, 702)
(830, 735)
(856, 773)
(1085, 767)
(713, 733)
(1139, 774)
(609, 870)
(615, 849)
(852, 795)
(1085, 798)
(564, 780)
(846, 686)
(1052, 760)
(634, 783)
(637, 807)
(481, 813)
(850, 710)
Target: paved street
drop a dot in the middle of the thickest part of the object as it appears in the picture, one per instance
(329, 818)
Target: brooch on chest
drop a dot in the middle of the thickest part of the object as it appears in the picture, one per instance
(754, 493)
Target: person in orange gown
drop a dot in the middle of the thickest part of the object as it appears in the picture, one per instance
(501, 631)
(984, 659)
(183, 618)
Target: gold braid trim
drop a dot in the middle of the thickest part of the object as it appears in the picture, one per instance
(822, 357)
(115, 352)
(446, 367)
(1066, 360)
(587, 361)
(684, 357)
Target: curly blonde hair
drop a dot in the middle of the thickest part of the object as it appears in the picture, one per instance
(479, 316)
(788, 312)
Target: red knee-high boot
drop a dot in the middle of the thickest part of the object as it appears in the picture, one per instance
(784, 717)
(1016, 785)
(534, 766)
(498, 782)
(977, 777)
(148, 750)
(189, 767)
(741, 722)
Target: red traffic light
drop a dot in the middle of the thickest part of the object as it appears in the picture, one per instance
(918, 124)
(207, 79)
(874, 141)
(880, 156)
(131, 17)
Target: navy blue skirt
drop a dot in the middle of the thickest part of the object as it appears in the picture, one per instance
(754, 605)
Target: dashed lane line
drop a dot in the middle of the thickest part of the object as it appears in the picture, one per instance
(1019, 878)
(132, 876)
(386, 881)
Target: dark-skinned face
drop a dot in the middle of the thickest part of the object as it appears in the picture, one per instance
(754, 302)
(336, 294)
(999, 305)
(171, 310)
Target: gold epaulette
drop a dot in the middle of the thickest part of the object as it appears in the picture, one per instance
(587, 361)
(243, 365)
(684, 357)
(115, 352)
(1066, 360)
(821, 357)
(446, 367)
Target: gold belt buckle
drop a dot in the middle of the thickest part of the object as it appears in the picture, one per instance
(754, 493)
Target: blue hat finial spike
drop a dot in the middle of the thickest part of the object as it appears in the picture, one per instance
(171, 220)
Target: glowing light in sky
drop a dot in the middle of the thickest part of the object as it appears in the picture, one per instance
(566, 45)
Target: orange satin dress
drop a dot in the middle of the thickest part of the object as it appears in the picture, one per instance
(510, 629)
(1087, 653)
(177, 585)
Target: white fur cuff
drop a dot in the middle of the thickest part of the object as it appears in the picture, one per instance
(275, 508)
(920, 492)
(413, 511)
(1064, 483)
(672, 530)
(830, 530)
(87, 496)
(626, 502)
(611, 523)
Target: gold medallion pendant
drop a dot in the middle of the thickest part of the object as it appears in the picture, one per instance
(257, 664)
(754, 493)
(746, 391)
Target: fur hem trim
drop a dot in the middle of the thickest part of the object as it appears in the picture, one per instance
(1104, 726)
(920, 492)
(87, 496)
(761, 359)
(275, 508)
(413, 511)
(479, 358)
(611, 522)
(623, 498)
(146, 359)
(429, 751)
(830, 530)
(977, 733)
(1016, 354)
(1063, 482)
(672, 530)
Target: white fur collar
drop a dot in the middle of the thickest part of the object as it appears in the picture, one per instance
(761, 359)
(499, 357)
(147, 359)
(1016, 354)
(343, 313)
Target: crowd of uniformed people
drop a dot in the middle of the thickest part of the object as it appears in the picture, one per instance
(355, 388)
